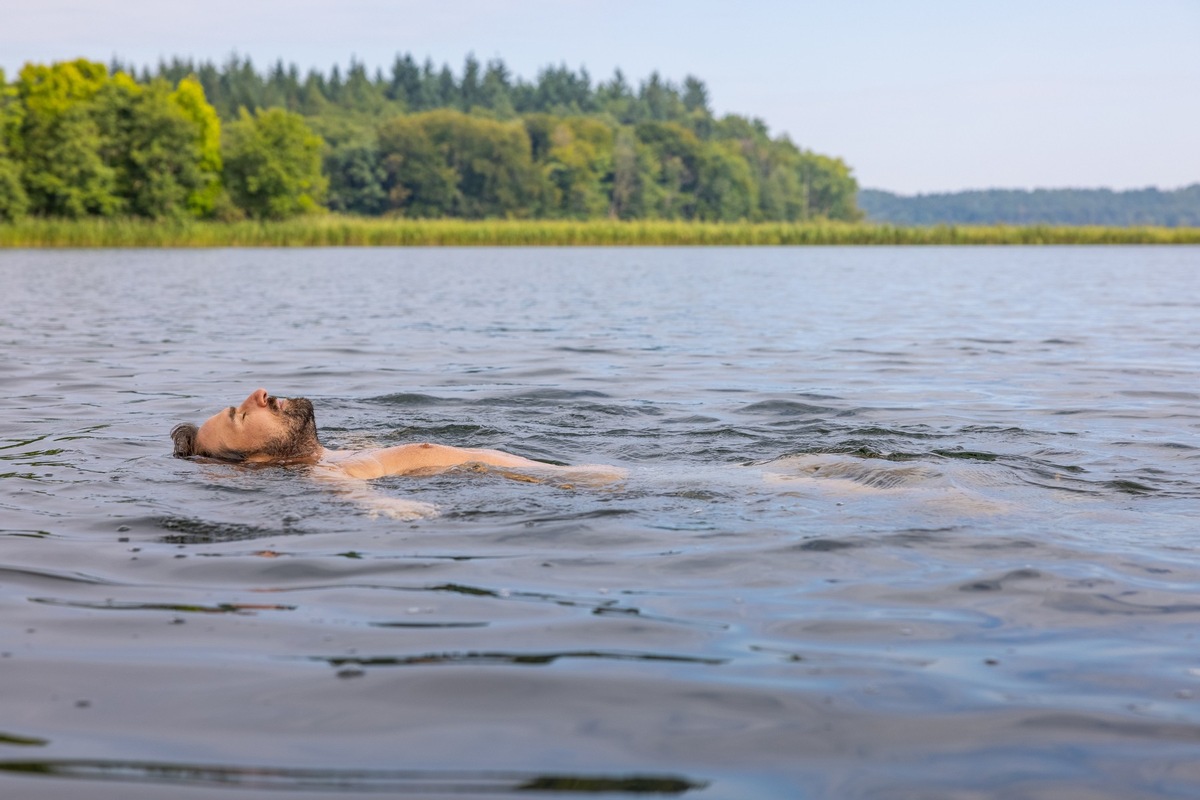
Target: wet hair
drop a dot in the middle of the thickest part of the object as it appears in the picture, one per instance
(299, 441)
(184, 437)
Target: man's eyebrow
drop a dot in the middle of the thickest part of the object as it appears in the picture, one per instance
(231, 413)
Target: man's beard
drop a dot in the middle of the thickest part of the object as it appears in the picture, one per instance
(300, 441)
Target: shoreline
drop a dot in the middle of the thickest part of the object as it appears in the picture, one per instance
(346, 231)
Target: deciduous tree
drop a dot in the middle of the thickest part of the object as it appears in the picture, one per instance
(63, 171)
(447, 162)
(190, 101)
(13, 201)
(152, 146)
(273, 164)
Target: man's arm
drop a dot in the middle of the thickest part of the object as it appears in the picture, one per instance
(346, 470)
(418, 458)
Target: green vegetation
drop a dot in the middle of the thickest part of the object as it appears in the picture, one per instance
(339, 230)
(79, 140)
(273, 164)
(1178, 208)
(86, 144)
(192, 154)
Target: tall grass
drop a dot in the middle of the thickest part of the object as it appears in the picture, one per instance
(345, 231)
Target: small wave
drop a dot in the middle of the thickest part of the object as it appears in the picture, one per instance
(183, 608)
(398, 782)
(969, 455)
(578, 516)
(789, 408)
(439, 433)
(1106, 605)
(828, 545)
(588, 350)
(26, 533)
(998, 584)
(1188, 397)
(429, 625)
(1078, 724)
(1129, 487)
(27, 575)
(524, 659)
(869, 473)
(18, 740)
(410, 399)
(183, 530)
(537, 395)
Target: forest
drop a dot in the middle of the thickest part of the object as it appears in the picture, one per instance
(185, 140)
(1173, 209)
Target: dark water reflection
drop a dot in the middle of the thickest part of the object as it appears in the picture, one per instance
(898, 523)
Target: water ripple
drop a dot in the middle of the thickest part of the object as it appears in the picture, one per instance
(416, 783)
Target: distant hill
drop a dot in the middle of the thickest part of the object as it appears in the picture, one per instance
(1174, 209)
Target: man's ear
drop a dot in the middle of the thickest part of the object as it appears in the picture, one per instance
(184, 437)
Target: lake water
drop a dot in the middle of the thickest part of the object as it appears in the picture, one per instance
(898, 523)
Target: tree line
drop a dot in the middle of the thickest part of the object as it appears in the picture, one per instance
(198, 140)
(1173, 209)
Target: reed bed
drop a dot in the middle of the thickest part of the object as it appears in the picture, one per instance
(345, 231)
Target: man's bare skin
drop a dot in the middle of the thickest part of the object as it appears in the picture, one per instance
(275, 430)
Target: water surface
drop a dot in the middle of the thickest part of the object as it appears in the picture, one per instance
(904, 523)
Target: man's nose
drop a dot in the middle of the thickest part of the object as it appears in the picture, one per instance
(257, 398)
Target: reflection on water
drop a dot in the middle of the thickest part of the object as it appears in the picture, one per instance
(896, 522)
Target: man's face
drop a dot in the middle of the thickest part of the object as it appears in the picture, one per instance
(262, 428)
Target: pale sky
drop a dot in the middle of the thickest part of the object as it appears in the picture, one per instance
(915, 95)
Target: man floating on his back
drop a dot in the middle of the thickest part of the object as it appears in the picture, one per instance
(275, 430)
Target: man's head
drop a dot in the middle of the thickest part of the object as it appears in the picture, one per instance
(261, 429)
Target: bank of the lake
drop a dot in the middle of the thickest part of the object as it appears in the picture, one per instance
(342, 231)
